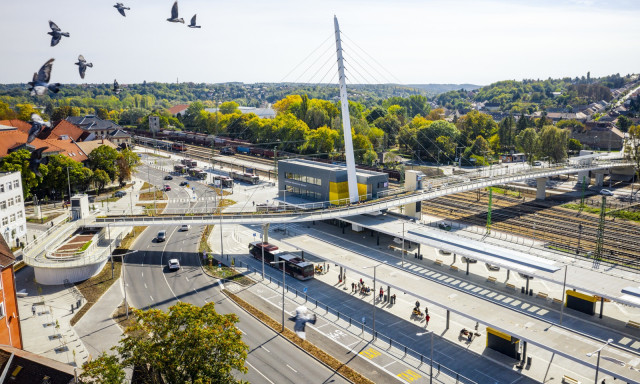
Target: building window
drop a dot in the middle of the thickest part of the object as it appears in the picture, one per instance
(3, 204)
(10, 202)
(12, 218)
(19, 214)
(5, 220)
(9, 187)
(1, 187)
(18, 199)
(2, 311)
(16, 183)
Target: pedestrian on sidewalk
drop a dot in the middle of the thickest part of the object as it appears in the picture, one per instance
(417, 304)
(353, 287)
(361, 282)
(381, 293)
(33, 309)
(426, 319)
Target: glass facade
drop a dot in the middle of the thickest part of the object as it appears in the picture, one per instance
(301, 192)
(303, 178)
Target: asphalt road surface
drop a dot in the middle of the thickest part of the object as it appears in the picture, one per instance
(150, 284)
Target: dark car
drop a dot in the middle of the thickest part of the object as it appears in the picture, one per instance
(168, 177)
(183, 183)
(120, 194)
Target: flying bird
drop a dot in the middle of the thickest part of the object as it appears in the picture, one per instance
(37, 125)
(82, 65)
(120, 7)
(193, 22)
(40, 83)
(116, 87)
(36, 159)
(174, 14)
(56, 33)
(301, 318)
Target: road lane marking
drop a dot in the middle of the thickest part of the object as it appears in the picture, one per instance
(151, 297)
(186, 278)
(145, 285)
(265, 349)
(261, 374)
(410, 375)
(291, 368)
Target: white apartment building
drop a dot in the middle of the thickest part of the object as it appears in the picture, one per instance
(13, 223)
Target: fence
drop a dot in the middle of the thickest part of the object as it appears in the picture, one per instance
(396, 349)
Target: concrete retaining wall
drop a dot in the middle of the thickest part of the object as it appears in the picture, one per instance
(57, 276)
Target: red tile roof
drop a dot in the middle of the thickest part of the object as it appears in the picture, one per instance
(178, 108)
(66, 128)
(11, 139)
(21, 125)
(6, 256)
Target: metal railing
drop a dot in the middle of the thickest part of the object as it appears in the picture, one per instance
(394, 348)
(436, 187)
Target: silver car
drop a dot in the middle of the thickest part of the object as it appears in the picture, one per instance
(173, 264)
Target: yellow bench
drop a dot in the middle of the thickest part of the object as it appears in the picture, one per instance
(542, 295)
(453, 268)
(438, 262)
(557, 301)
(633, 324)
(511, 286)
(491, 279)
(570, 380)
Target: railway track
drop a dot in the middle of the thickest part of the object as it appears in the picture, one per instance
(559, 227)
(205, 153)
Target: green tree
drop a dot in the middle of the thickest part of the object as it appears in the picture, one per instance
(506, 134)
(63, 112)
(103, 113)
(624, 123)
(553, 143)
(6, 113)
(188, 344)
(18, 161)
(25, 111)
(105, 369)
(481, 147)
(192, 114)
(56, 180)
(632, 147)
(104, 157)
(527, 141)
(133, 116)
(126, 165)
(321, 141)
(100, 179)
(229, 107)
(574, 145)
(446, 146)
(572, 124)
(475, 124)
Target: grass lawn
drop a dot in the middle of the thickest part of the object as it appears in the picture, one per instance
(92, 289)
(44, 219)
(152, 209)
(228, 273)
(159, 195)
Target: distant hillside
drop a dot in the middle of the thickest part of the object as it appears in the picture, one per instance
(442, 88)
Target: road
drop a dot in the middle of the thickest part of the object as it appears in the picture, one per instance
(149, 284)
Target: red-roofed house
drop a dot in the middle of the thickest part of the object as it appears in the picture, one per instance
(70, 131)
(13, 140)
(19, 124)
(179, 109)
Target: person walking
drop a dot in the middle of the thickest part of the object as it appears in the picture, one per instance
(33, 309)
(426, 319)
(417, 304)
(381, 293)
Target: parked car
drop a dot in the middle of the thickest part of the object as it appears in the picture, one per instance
(492, 267)
(168, 177)
(537, 163)
(167, 187)
(174, 264)
(185, 227)
(183, 183)
(162, 236)
(120, 194)
(606, 192)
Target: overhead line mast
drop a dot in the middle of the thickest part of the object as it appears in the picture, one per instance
(346, 121)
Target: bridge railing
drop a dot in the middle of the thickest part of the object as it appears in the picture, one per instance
(435, 187)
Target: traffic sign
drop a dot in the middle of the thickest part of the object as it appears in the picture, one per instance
(304, 290)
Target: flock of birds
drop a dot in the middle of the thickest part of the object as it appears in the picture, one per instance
(40, 83)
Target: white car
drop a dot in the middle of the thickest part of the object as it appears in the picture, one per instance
(174, 265)
(185, 227)
(606, 192)
(537, 163)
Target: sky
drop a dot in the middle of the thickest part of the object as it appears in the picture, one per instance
(399, 41)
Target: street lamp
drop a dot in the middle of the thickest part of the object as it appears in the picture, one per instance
(283, 283)
(431, 358)
(374, 295)
(598, 361)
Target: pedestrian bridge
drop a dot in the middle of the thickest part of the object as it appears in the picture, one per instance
(432, 188)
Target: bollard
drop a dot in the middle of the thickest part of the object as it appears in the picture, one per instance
(438, 368)
(531, 292)
(72, 308)
(338, 316)
(349, 321)
(421, 359)
(305, 297)
(316, 303)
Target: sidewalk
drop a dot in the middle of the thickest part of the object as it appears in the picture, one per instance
(97, 329)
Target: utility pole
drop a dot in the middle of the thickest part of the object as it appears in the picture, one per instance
(598, 254)
(489, 210)
(346, 122)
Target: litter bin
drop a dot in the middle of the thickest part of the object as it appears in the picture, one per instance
(415, 255)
